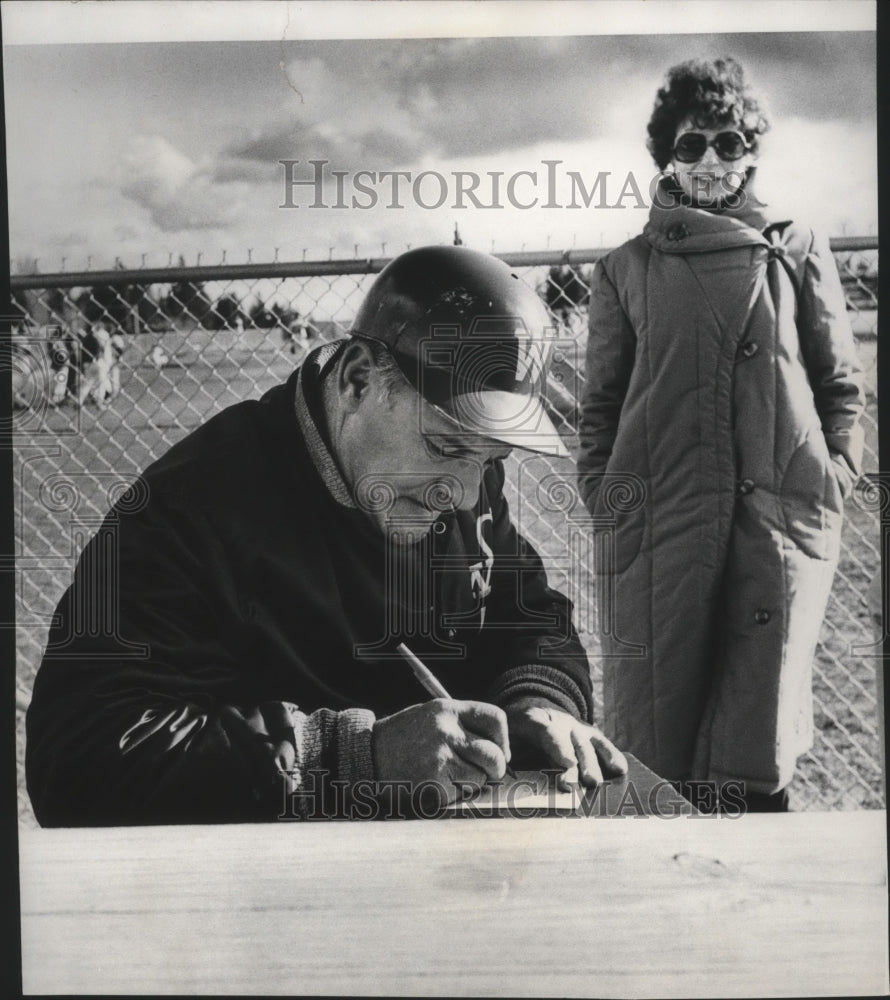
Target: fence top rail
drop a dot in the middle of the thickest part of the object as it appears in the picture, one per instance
(323, 268)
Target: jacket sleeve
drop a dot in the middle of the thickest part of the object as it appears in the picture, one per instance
(829, 352)
(143, 710)
(611, 348)
(528, 629)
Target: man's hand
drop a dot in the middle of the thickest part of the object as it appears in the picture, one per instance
(581, 750)
(450, 742)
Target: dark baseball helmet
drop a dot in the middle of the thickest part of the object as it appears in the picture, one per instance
(471, 337)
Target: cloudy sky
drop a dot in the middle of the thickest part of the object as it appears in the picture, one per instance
(132, 149)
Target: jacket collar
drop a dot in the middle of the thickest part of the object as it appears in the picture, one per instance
(677, 228)
(310, 417)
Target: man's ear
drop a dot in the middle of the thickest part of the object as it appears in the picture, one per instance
(355, 373)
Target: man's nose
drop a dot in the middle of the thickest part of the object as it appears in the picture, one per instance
(462, 483)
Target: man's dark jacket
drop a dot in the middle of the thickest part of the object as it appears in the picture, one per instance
(237, 573)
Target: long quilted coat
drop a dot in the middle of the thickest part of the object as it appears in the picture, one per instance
(722, 388)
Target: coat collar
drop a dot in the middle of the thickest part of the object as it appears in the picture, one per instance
(677, 228)
(307, 404)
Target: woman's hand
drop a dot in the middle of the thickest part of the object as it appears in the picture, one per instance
(845, 479)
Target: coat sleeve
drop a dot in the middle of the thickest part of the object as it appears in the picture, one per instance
(143, 710)
(829, 352)
(611, 348)
(528, 630)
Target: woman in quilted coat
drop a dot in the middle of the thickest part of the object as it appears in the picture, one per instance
(719, 440)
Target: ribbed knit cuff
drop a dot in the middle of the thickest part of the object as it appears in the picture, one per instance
(540, 681)
(354, 760)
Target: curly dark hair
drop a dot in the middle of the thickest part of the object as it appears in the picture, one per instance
(713, 94)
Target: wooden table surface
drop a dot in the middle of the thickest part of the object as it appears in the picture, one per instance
(551, 906)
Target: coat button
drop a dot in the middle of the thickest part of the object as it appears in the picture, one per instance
(678, 232)
(762, 616)
(749, 349)
(744, 487)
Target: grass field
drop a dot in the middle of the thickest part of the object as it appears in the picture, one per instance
(70, 466)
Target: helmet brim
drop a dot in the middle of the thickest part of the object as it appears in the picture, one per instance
(516, 419)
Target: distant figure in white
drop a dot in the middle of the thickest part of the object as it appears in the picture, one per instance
(118, 346)
(158, 357)
(101, 373)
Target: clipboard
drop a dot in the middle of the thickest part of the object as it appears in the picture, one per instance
(640, 792)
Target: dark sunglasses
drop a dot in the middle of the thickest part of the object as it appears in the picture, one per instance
(692, 146)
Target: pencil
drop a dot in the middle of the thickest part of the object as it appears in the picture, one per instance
(431, 683)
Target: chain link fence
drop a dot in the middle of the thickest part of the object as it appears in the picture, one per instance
(111, 368)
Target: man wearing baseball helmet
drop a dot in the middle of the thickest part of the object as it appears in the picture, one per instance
(269, 566)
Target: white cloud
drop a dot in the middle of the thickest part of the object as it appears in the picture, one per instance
(183, 156)
(177, 193)
(823, 174)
